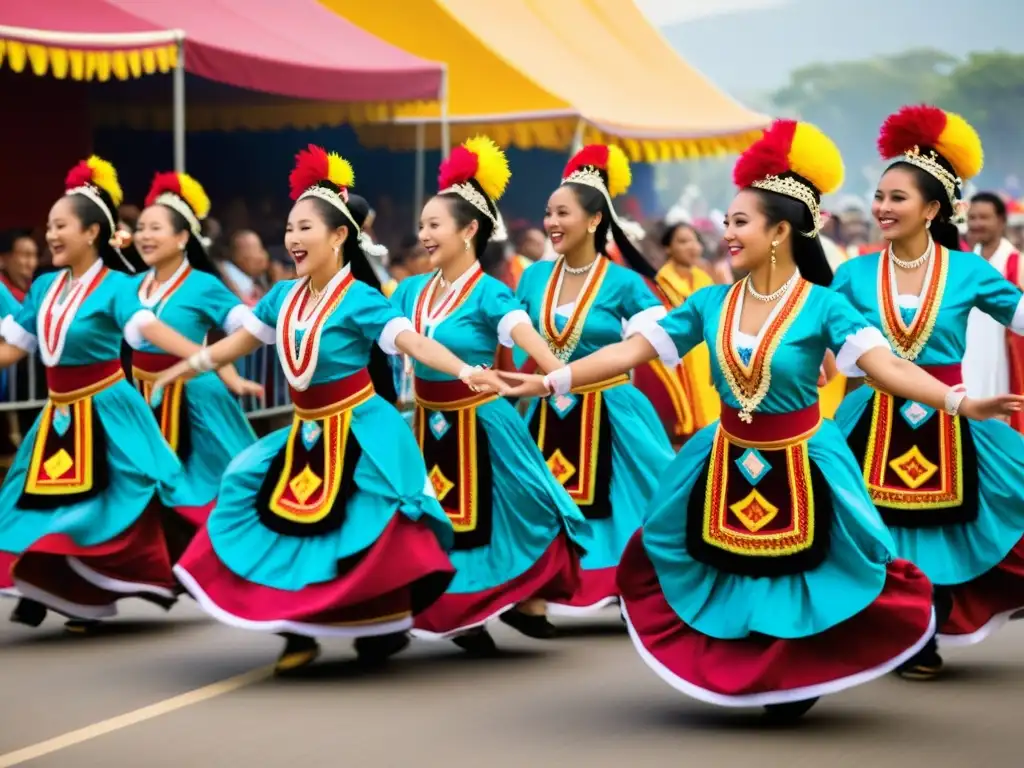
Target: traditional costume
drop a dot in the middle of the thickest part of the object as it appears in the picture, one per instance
(78, 508)
(763, 574)
(950, 490)
(516, 528)
(200, 419)
(684, 396)
(328, 527)
(604, 443)
(994, 355)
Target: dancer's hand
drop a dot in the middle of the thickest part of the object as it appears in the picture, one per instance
(524, 384)
(980, 409)
(239, 386)
(486, 380)
(180, 371)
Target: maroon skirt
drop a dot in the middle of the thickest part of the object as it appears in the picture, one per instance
(597, 589)
(555, 576)
(983, 605)
(403, 573)
(86, 582)
(759, 670)
(6, 578)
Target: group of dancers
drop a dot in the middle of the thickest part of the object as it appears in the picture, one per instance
(760, 554)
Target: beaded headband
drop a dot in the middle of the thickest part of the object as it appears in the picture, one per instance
(589, 176)
(475, 197)
(797, 190)
(367, 245)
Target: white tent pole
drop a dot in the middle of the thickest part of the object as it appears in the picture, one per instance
(421, 174)
(179, 110)
(446, 139)
(577, 139)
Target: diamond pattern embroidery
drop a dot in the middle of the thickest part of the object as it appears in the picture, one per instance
(57, 465)
(439, 425)
(913, 468)
(311, 431)
(61, 419)
(754, 511)
(561, 467)
(304, 485)
(562, 404)
(442, 485)
(916, 414)
(753, 466)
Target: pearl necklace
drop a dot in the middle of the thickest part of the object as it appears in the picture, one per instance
(772, 296)
(908, 265)
(579, 270)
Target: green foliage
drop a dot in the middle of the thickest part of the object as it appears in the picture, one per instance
(850, 99)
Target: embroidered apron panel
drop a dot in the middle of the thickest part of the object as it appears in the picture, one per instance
(458, 460)
(171, 414)
(920, 465)
(759, 512)
(311, 479)
(69, 457)
(574, 435)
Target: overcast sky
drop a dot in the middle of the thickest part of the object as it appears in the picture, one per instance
(662, 12)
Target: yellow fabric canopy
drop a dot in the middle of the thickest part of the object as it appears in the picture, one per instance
(527, 71)
(78, 63)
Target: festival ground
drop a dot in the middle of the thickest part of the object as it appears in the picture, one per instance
(155, 691)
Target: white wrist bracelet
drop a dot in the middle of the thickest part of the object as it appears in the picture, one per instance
(201, 362)
(955, 398)
(468, 371)
(559, 381)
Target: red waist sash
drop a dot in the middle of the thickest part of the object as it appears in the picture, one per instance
(152, 363)
(769, 430)
(323, 400)
(449, 395)
(68, 383)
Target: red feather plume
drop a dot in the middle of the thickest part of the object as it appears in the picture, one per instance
(163, 182)
(768, 156)
(917, 126)
(595, 155)
(311, 167)
(78, 176)
(460, 167)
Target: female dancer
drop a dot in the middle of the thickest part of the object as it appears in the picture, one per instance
(329, 527)
(515, 526)
(949, 490)
(684, 396)
(200, 420)
(77, 509)
(755, 581)
(603, 442)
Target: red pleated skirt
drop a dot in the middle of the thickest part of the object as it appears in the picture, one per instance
(555, 576)
(597, 590)
(759, 670)
(402, 574)
(983, 605)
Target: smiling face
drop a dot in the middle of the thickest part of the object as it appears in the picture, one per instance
(566, 222)
(748, 233)
(440, 234)
(155, 238)
(68, 240)
(311, 242)
(899, 207)
(684, 249)
(984, 224)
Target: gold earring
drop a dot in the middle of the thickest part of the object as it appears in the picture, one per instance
(775, 244)
(592, 229)
(467, 243)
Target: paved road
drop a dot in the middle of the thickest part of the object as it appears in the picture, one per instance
(582, 700)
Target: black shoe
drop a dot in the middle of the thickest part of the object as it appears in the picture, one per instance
(28, 612)
(537, 627)
(789, 712)
(299, 651)
(478, 644)
(926, 665)
(375, 651)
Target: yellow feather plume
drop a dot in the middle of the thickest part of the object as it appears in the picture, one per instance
(492, 173)
(192, 192)
(814, 156)
(339, 171)
(104, 176)
(960, 144)
(619, 174)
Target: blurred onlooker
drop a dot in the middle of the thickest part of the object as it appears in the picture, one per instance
(410, 258)
(246, 271)
(128, 217)
(19, 264)
(529, 245)
(282, 266)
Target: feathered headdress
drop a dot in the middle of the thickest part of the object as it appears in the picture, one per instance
(606, 169)
(478, 172)
(793, 159)
(328, 176)
(182, 193)
(95, 178)
(940, 143)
